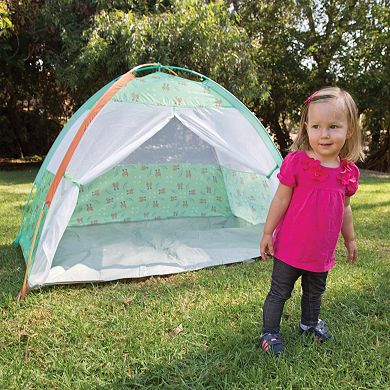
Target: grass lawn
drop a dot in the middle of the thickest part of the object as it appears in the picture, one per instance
(120, 335)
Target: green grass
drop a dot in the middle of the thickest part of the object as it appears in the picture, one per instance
(119, 335)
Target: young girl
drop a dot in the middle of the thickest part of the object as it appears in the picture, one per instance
(310, 208)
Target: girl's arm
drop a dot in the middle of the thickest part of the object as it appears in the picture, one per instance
(348, 232)
(276, 211)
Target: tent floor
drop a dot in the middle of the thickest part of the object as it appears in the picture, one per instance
(139, 249)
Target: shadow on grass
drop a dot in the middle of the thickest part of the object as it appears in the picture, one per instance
(159, 284)
(18, 177)
(367, 206)
(233, 360)
(369, 181)
(12, 268)
(12, 275)
(228, 362)
(367, 174)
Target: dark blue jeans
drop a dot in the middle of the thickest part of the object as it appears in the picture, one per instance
(284, 277)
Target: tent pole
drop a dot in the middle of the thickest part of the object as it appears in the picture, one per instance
(23, 292)
(152, 64)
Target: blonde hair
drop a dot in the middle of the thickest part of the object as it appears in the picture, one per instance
(352, 150)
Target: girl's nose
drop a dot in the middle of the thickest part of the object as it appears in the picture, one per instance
(324, 132)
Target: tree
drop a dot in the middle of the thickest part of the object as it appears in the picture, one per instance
(270, 54)
(28, 111)
(304, 45)
(366, 71)
(190, 33)
(34, 102)
(272, 28)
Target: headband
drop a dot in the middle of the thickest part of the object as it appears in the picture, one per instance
(309, 99)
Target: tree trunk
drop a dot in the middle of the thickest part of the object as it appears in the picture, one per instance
(16, 125)
(282, 138)
(380, 159)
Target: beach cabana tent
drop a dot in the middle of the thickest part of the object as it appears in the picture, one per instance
(154, 174)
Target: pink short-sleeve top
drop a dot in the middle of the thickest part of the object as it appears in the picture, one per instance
(306, 236)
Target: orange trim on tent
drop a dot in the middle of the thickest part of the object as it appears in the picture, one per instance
(76, 140)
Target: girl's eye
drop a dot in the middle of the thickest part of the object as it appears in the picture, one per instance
(333, 126)
(315, 126)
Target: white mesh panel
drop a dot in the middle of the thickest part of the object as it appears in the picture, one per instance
(174, 143)
(64, 145)
(236, 141)
(116, 131)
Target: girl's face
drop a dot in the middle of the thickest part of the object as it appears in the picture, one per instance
(327, 128)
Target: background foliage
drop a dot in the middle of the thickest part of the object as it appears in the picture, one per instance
(270, 54)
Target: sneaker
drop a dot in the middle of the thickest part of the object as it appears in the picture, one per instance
(272, 343)
(320, 331)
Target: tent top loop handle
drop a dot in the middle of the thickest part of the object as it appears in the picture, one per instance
(159, 67)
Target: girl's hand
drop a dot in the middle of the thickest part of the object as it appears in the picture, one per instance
(352, 250)
(266, 247)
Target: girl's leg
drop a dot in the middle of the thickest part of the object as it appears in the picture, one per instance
(283, 280)
(313, 286)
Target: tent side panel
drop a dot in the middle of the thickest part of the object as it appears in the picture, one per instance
(249, 195)
(32, 214)
(141, 192)
(137, 192)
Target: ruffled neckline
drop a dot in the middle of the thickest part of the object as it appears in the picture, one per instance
(319, 172)
(318, 162)
(314, 168)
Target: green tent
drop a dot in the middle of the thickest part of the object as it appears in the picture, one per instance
(154, 174)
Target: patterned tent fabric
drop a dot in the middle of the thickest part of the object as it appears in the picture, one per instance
(163, 89)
